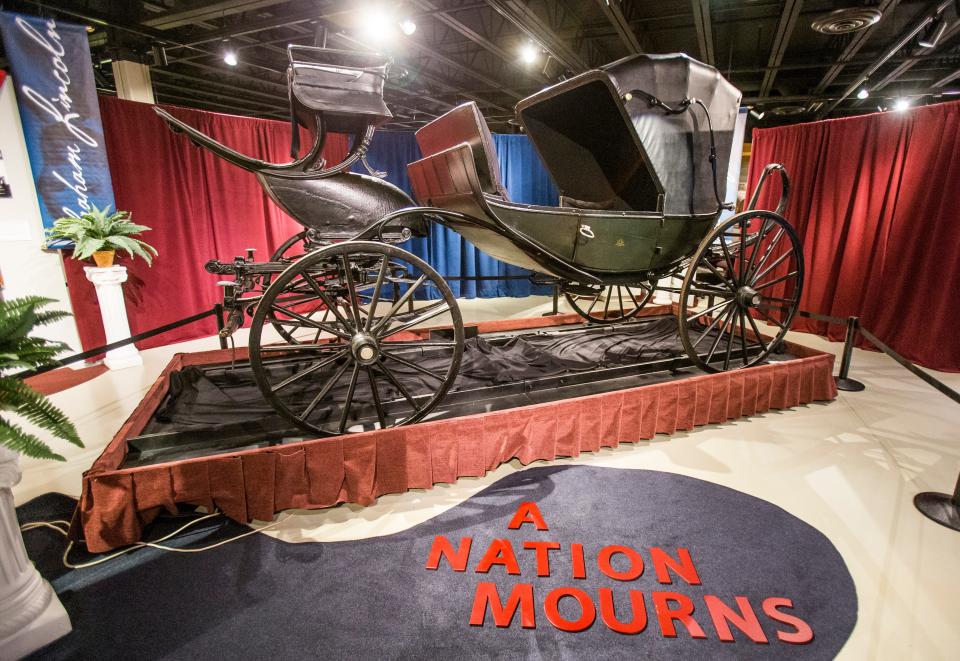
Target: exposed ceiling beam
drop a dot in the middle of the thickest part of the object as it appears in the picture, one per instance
(905, 38)
(946, 80)
(208, 12)
(530, 24)
(611, 9)
(701, 19)
(451, 21)
(951, 31)
(462, 68)
(886, 7)
(781, 39)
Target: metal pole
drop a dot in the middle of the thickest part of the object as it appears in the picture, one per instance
(218, 308)
(943, 508)
(844, 382)
(556, 303)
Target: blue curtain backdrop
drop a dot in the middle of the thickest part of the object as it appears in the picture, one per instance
(526, 181)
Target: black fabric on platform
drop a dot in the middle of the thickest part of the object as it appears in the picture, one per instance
(259, 598)
(199, 398)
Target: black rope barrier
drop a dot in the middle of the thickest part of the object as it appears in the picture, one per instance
(215, 310)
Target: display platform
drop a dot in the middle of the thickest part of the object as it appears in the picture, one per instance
(528, 389)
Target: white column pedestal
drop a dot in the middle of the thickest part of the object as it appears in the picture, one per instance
(108, 282)
(31, 615)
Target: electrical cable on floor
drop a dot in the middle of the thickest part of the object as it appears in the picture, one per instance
(155, 544)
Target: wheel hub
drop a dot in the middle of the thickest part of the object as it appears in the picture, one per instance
(364, 348)
(747, 297)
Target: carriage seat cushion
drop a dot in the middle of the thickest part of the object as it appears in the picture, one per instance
(340, 90)
(465, 124)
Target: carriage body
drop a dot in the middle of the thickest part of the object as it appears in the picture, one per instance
(637, 148)
(637, 191)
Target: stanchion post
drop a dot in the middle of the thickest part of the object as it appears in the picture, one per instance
(218, 313)
(556, 303)
(943, 508)
(844, 382)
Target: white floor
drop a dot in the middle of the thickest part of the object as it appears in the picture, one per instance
(850, 468)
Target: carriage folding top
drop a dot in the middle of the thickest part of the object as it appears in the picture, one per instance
(629, 150)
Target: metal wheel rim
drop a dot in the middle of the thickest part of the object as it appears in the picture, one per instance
(757, 260)
(381, 374)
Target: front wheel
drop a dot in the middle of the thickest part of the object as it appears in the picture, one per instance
(351, 368)
(748, 267)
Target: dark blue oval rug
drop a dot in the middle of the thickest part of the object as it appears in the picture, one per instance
(633, 564)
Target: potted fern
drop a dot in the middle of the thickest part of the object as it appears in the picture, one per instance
(99, 233)
(18, 317)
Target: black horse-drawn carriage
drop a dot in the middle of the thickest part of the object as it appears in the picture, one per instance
(638, 150)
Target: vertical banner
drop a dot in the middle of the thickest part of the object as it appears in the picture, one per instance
(57, 97)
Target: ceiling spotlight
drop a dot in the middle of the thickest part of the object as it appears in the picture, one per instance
(757, 115)
(377, 24)
(408, 27)
(901, 104)
(529, 53)
(229, 53)
(863, 93)
(933, 33)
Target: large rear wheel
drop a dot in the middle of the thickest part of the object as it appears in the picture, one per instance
(748, 267)
(353, 365)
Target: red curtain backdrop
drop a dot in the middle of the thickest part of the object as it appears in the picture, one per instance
(198, 206)
(876, 202)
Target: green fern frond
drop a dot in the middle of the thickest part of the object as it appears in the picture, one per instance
(36, 408)
(15, 438)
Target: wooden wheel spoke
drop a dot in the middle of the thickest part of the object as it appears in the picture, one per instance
(411, 365)
(634, 298)
(429, 344)
(606, 302)
(700, 291)
(331, 305)
(792, 274)
(756, 331)
(743, 339)
(726, 254)
(594, 303)
(351, 389)
(743, 246)
(418, 320)
(308, 347)
(775, 264)
(399, 386)
(766, 316)
(620, 298)
(707, 311)
(381, 416)
(348, 277)
(331, 382)
(769, 251)
(712, 325)
(729, 282)
(399, 303)
(384, 267)
(720, 331)
(310, 370)
(733, 326)
(756, 245)
(305, 321)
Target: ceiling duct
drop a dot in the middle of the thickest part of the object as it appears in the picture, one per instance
(788, 111)
(851, 19)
